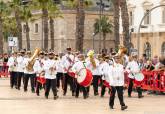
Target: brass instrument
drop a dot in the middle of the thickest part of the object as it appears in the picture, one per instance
(91, 57)
(121, 52)
(30, 65)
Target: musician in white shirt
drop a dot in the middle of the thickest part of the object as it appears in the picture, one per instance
(28, 74)
(104, 69)
(13, 70)
(132, 68)
(95, 71)
(60, 70)
(50, 68)
(39, 70)
(116, 77)
(20, 68)
(80, 64)
(68, 61)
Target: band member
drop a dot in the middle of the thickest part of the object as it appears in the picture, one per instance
(20, 68)
(60, 71)
(13, 70)
(116, 77)
(50, 67)
(76, 68)
(104, 67)
(28, 73)
(133, 68)
(68, 61)
(93, 65)
(39, 70)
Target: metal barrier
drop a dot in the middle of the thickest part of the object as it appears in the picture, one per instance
(153, 80)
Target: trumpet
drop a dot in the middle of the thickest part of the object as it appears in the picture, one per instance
(91, 57)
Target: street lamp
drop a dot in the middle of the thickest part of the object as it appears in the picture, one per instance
(141, 26)
(103, 7)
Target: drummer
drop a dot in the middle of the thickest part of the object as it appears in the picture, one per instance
(76, 68)
(132, 68)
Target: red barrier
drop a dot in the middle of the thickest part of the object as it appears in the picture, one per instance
(153, 80)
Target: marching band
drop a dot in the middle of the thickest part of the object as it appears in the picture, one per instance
(52, 71)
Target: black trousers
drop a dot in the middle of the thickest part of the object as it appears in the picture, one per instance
(69, 80)
(20, 76)
(139, 90)
(38, 87)
(50, 83)
(95, 83)
(119, 90)
(84, 90)
(13, 79)
(60, 78)
(32, 80)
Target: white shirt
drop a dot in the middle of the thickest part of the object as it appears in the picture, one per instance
(66, 63)
(20, 67)
(11, 64)
(47, 65)
(132, 67)
(60, 66)
(25, 63)
(104, 70)
(116, 75)
(39, 66)
(95, 71)
(78, 66)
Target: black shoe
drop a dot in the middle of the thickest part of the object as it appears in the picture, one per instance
(111, 107)
(46, 97)
(129, 96)
(25, 90)
(18, 88)
(55, 97)
(140, 96)
(96, 94)
(76, 96)
(73, 94)
(124, 107)
(38, 94)
(64, 94)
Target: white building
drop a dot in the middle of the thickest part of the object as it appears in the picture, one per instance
(152, 31)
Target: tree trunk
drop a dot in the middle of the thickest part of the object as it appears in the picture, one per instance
(46, 30)
(51, 22)
(104, 41)
(27, 36)
(19, 26)
(125, 23)
(80, 19)
(1, 37)
(116, 22)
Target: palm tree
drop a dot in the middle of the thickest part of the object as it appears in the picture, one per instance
(26, 16)
(53, 12)
(116, 10)
(16, 7)
(80, 6)
(106, 27)
(125, 23)
(43, 5)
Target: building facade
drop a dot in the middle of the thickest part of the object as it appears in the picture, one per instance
(151, 38)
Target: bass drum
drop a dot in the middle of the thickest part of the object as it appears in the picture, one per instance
(139, 77)
(41, 80)
(84, 77)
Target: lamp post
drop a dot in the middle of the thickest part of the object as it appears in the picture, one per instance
(140, 26)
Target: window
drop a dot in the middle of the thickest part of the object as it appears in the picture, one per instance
(36, 28)
(163, 15)
(131, 17)
(147, 20)
(147, 50)
(163, 49)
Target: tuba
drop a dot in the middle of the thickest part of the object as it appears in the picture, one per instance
(91, 57)
(30, 65)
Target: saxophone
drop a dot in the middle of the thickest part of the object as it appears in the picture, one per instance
(91, 58)
(30, 65)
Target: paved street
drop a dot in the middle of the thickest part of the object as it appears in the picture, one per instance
(17, 102)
